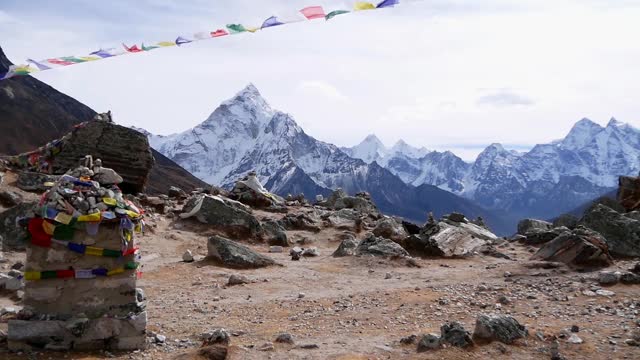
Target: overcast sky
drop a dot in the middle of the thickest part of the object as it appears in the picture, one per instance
(444, 74)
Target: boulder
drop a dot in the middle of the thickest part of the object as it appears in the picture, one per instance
(389, 228)
(377, 246)
(501, 328)
(33, 181)
(539, 237)
(581, 247)
(622, 233)
(250, 191)
(449, 240)
(347, 247)
(300, 222)
(567, 220)
(457, 217)
(630, 278)
(13, 236)
(274, 233)
(233, 255)
(177, 193)
(608, 278)
(232, 217)
(361, 201)
(453, 333)
(411, 228)
(530, 225)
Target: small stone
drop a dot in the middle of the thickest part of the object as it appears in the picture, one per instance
(388, 276)
(285, 338)
(632, 342)
(575, 328)
(276, 249)
(602, 292)
(309, 346)
(187, 256)
(608, 278)
(310, 252)
(295, 253)
(217, 336)
(237, 280)
(507, 274)
(574, 339)
(408, 340)
(301, 295)
(504, 300)
(428, 342)
(266, 347)
(160, 339)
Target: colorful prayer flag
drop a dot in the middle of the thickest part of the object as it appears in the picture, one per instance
(180, 40)
(59, 62)
(252, 29)
(363, 5)
(336, 13)
(201, 35)
(313, 12)
(166, 43)
(102, 53)
(388, 3)
(236, 28)
(133, 49)
(40, 65)
(72, 59)
(272, 21)
(219, 33)
(148, 48)
(63, 218)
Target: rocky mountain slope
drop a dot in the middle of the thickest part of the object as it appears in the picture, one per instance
(544, 182)
(33, 113)
(245, 134)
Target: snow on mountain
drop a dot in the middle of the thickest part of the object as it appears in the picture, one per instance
(369, 150)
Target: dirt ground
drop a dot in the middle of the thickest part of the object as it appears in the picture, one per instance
(359, 308)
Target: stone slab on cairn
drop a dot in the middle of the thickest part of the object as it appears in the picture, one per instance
(80, 292)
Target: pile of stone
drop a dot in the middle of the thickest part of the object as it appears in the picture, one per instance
(361, 202)
(629, 192)
(81, 268)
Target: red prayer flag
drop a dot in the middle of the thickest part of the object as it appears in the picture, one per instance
(313, 12)
(38, 236)
(219, 33)
(60, 62)
(61, 274)
(133, 49)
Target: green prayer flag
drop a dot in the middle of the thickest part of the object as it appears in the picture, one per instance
(335, 13)
(236, 28)
(73, 59)
(48, 275)
(131, 265)
(111, 253)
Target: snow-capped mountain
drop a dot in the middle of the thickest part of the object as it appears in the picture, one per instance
(547, 180)
(245, 134)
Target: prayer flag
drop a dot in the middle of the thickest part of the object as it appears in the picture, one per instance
(335, 13)
(84, 274)
(363, 5)
(313, 12)
(89, 58)
(40, 66)
(32, 275)
(115, 271)
(219, 33)
(59, 62)
(79, 248)
(72, 59)
(180, 40)
(63, 218)
(102, 53)
(272, 21)
(90, 250)
(48, 227)
(109, 201)
(133, 49)
(38, 236)
(62, 274)
(236, 28)
(252, 29)
(94, 217)
(202, 35)
(92, 228)
(388, 3)
(166, 43)
(148, 48)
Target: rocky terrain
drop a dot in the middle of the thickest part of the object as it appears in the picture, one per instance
(247, 274)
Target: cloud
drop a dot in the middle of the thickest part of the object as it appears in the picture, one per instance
(324, 89)
(504, 98)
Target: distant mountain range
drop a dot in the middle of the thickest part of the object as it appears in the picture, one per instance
(544, 182)
(33, 113)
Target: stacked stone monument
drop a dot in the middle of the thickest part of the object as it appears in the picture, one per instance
(81, 268)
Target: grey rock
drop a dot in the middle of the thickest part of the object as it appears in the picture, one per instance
(608, 278)
(457, 217)
(408, 340)
(361, 202)
(234, 255)
(377, 246)
(107, 176)
(528, 225)
(160, 339)
(237, 280)
(177, 193)
(296, 253)
(12, 235)
(389, 228)
(448, 239)
(347, 247)
(630, 278)
(187, 256)
(574, 339)
(216, 336)
(454, 333)
(274, 233)
(566, 220)
(300, 222)
(310, 252)
(285, 338)
(579, 248)
(501, 328)
(622, 233)
(232, 217)
(538, 237)
(266, 347)
(428, 342)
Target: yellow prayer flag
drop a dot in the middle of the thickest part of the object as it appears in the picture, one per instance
(90, 250)
(132, 214)
(63, 218)
(252, 29)
(110, 201)
(32, 275)
(89, 58)
(49, 184)
(363, 5)
(166, 43)
(48, 227)
(95, 217)
(115, 271)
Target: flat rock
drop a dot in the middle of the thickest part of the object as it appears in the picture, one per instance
(501, 328)
(347, 247)
(453, 333)
(579, 248)
(622, 233)
(232, 217)
(377, 246)
(233, 255)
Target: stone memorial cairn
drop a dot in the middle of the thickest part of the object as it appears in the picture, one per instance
(81, 268)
